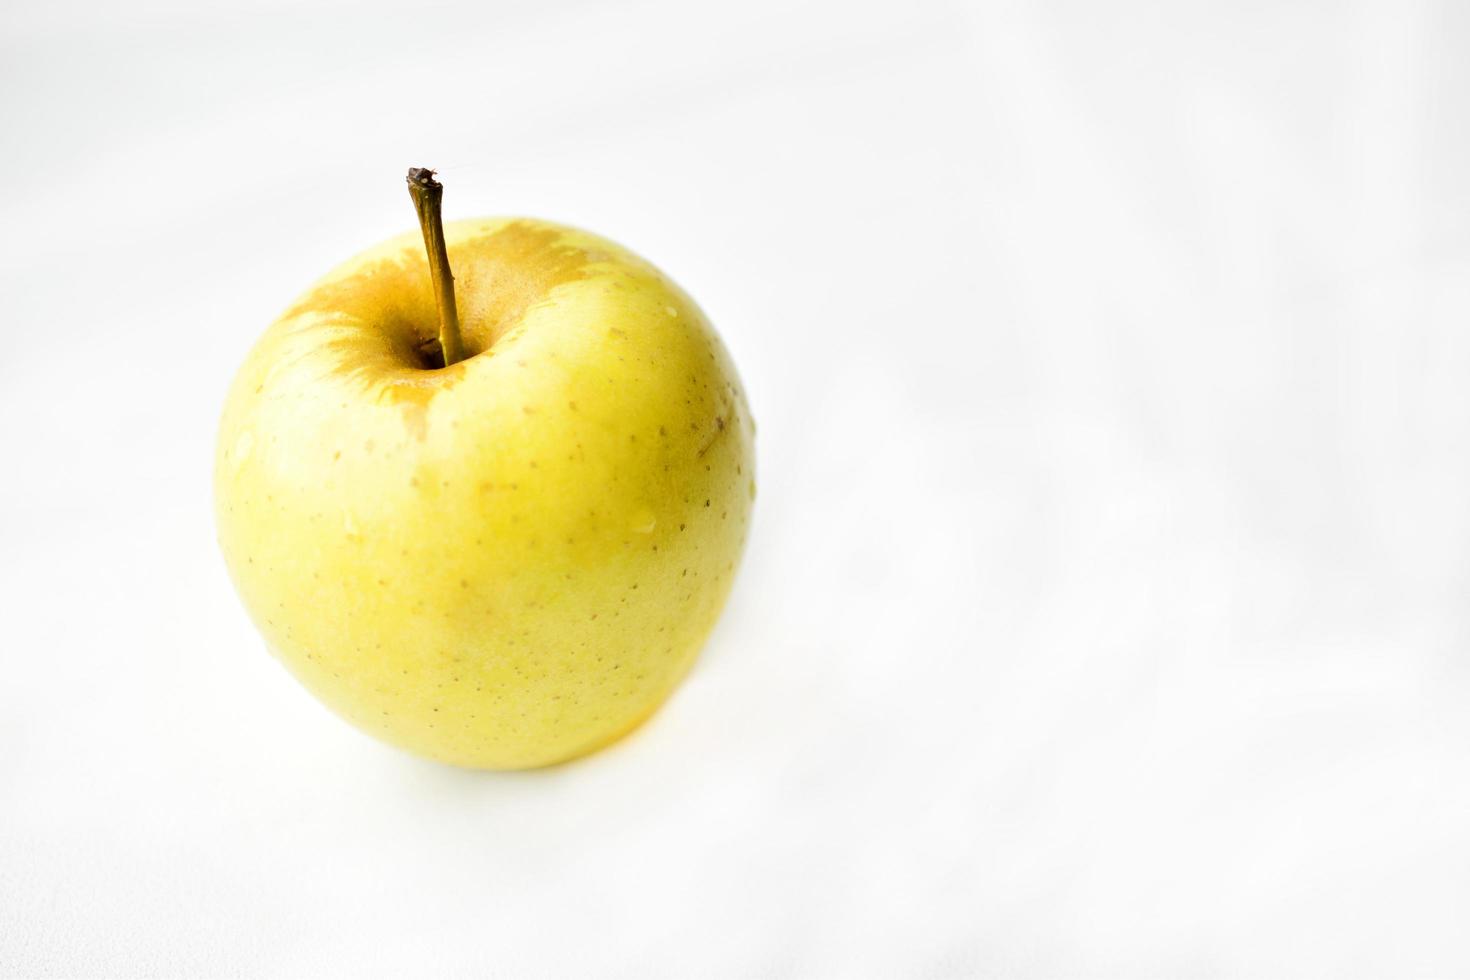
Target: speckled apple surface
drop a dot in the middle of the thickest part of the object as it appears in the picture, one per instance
(511, 561)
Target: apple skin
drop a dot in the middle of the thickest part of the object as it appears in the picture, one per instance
(508, 562)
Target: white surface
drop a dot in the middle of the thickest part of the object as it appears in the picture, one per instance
(1108, 607)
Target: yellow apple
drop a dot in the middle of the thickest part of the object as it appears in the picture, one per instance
(512, 560)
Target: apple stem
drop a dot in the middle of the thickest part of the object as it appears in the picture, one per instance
(428, 194)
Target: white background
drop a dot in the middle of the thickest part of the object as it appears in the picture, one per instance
(1107, 612)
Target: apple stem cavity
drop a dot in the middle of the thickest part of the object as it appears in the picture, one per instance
(428, 195)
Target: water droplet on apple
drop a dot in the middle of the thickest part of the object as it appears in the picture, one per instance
(644, 521)
(671, 311)
(243, 447)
